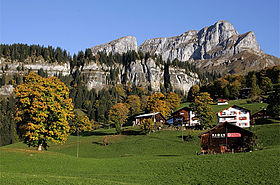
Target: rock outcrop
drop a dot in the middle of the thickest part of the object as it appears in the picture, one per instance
(217, 48)
(121, 45)
(144, 73)
(220, 39)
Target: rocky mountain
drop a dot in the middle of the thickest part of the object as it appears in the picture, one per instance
(217, 48)
(141, 72)
(121, 45)
(213, 48)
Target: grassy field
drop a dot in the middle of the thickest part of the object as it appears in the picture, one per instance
(158, 158)
(253, 107)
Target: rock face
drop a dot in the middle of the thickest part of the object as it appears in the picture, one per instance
(6, 90)
(143, 73)
(220, 39)
(120, 45)
(217, 48)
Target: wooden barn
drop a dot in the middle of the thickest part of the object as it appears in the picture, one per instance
(225, 137)
(156, 117)
(262, 114)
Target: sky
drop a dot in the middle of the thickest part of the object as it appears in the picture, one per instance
(75, 25)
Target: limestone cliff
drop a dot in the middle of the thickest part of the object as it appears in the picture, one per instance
(212, 46)
(121, 45)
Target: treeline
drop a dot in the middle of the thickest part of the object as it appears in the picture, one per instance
(21, 52)
(244, 86)
(8, 133)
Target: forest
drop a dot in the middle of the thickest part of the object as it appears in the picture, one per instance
(96, 104)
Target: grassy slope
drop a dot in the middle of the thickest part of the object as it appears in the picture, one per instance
(253, 107)
(160, 158)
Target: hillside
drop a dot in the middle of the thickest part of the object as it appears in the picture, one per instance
(159, 158)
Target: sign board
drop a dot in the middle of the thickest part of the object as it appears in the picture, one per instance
(233, 135)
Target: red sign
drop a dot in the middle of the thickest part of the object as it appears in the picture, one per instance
(233, 135)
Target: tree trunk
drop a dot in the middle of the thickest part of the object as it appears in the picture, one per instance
(39, 147)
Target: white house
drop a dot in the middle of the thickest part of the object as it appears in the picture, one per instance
(235, 115)
(221, 101)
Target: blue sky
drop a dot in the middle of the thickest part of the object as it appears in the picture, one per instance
(76, 25)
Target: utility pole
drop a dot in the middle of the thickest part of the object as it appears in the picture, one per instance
(78, 143)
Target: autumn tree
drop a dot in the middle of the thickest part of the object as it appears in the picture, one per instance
(157, 103)
(118, 115)
(194, 90)
(203, 110)
(81, 123)
(43, 110)
(173, 100)
(147, 125)
(134, 104)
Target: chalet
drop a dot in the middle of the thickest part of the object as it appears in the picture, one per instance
(225, 137)
(221, 101)
(235, 115)
(185, 116)
(261, 114)
(156, 117)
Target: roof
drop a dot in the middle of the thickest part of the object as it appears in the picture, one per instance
(183, 108)
(149, 114)
(234, 106)
(223, 124)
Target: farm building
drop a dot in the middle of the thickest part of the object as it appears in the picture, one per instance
(225, 137)
(235, 115)
(262, 114)
(157, 117)
(184, 116)
(221, 101)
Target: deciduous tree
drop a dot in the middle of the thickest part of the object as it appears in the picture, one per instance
(157, 103)
(134, 104)
(194, 90)
(43, 110)
(173, 100)
(203, 110)
(147, 125)
(118, 115)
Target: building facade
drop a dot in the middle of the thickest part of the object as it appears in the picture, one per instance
(185, 116)
(156, 117)
(235, 115)
(226, 137)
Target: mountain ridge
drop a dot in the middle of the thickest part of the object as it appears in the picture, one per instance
(219, 41)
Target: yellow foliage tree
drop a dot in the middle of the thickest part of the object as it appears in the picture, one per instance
(173, 100)
(118, 115)
(134, 104)
(157, 103)
(203, 110)
(43, 109)
(147, 125)
(81, 123)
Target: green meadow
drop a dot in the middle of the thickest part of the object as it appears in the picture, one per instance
(158, 158)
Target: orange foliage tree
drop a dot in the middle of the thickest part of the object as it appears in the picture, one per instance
(43, 110)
